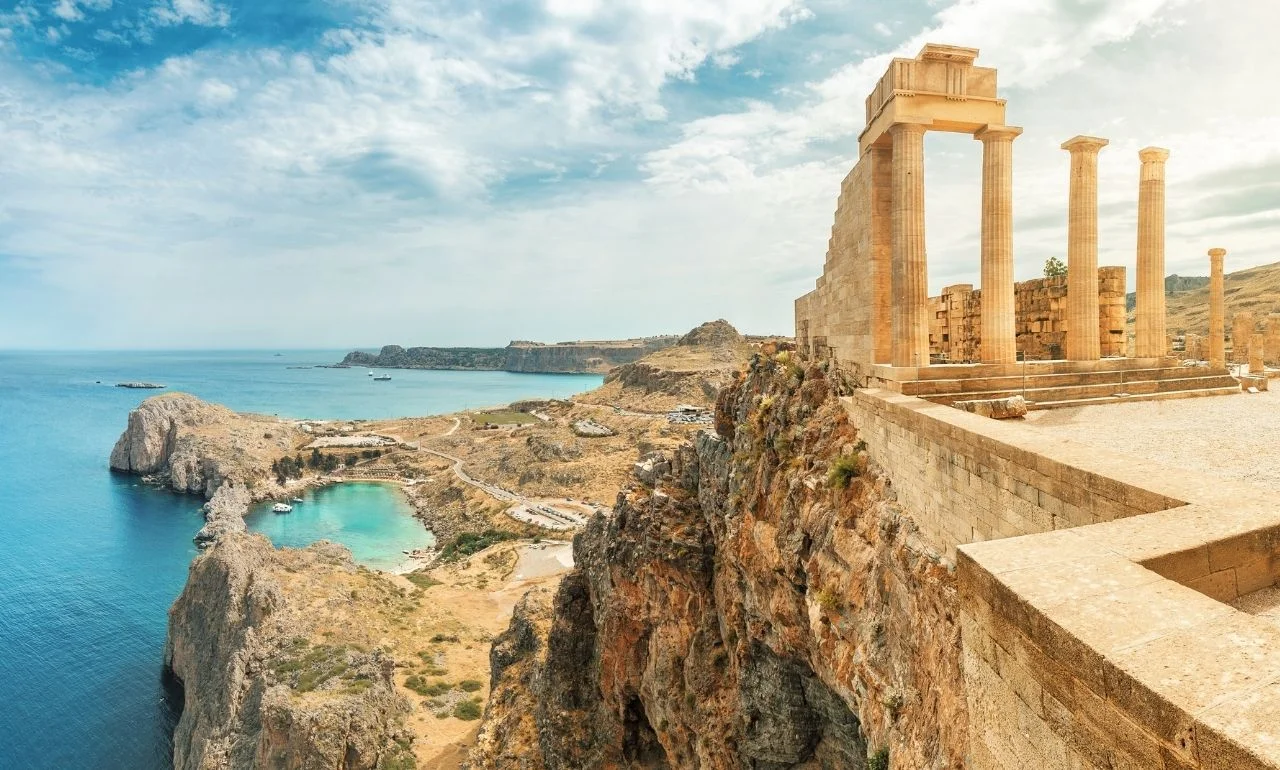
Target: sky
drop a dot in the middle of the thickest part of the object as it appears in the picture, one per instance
(350, 173)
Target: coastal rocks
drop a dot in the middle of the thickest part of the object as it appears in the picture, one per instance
(196, 447)
(744, 611)
(257, 690)
(224, 514)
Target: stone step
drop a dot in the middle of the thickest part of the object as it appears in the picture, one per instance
(1094, 390)
(1197, 393)
(929, 388)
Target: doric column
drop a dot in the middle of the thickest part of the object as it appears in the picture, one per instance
(1082, 250)
(881, 157)
(1150, 314)
(999, 335)
(1217, 310)
(910, 271)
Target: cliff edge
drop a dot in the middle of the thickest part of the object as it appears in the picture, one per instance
(258, 691)
(756, 600)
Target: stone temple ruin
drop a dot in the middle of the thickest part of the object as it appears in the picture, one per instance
(870, 311)
(1112, 611)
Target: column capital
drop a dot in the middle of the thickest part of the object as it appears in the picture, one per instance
(1153, 155)
(1217, 253)
(909, 125)
(995, 133)
(1089, 144)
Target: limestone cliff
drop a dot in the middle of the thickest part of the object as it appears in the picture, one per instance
(765, 604)
(519, 356)
(692, 371)
(196, 447)
(257, 690)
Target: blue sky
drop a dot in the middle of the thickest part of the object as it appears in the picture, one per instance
(333, 173)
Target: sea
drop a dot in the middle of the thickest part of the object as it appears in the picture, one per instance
(90, 561)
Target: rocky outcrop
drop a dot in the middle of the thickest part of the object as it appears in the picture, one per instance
(519, 356)
(196, 447)
(754, 604)
(693, 370)
(257, 692)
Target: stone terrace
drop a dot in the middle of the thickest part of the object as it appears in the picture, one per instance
(1127, 616)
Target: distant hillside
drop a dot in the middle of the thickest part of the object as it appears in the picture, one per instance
(1256, 289)
(583, 357)
(1172, 284)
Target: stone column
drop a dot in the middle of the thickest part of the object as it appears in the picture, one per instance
(1256, 342)
(1082, 250)
(881, 157)
(1149, 326)
(999, 337)
(1217, 310)
(910, 272)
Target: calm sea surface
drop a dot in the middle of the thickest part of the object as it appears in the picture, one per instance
(91, 561)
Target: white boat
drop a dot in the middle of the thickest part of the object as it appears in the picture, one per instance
(297, 500)
(370, 373)
(281, 508)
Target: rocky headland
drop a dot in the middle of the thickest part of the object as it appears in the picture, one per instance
(586, 357)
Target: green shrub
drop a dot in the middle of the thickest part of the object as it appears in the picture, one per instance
(878, 760)
(438, 638)
(469, 543)
(471, 685)
(468, 710)
(422, 579)
(845, 469)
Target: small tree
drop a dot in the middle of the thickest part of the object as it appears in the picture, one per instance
(1053, 268)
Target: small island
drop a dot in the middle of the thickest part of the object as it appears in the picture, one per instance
(140, 385)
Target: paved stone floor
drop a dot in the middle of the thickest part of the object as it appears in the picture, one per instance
(1234, 438)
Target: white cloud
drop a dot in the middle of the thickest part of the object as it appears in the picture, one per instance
(202, 13)
(883, 29)
(410, 160)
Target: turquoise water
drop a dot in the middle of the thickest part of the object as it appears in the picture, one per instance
(374, 520)
(90, 561)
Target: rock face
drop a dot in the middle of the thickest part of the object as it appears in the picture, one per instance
(519, 356)
(754, 604)
(196, 447)
(693, 370)
(256, 693)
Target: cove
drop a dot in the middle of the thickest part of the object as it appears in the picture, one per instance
(374, 520)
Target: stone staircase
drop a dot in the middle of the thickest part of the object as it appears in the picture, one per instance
(1054, 390)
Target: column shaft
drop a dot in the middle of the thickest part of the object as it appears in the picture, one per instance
(1082, 251)
(1217, 310)
(998, 323)
(910, 270)
(881, 254)
(1149, 323)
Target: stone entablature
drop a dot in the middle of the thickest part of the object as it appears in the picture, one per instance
(1040, 319)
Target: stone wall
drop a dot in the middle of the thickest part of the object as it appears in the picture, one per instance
(1040, 322)
(966, 478)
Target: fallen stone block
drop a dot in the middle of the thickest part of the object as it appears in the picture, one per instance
(995, 408)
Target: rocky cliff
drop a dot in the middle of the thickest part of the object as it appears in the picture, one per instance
(519, 356)
(196, 447)
(258, 691)
(692, 371)
(761, 603)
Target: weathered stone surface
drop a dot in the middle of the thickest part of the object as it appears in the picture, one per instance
(736, 611)
(196, 447)
(230, 631)
(996, 408)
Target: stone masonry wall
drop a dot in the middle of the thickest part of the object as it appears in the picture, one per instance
(1040, 323)
(967, 478)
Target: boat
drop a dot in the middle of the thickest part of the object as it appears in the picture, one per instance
(281, 508)
(370, 372)
(297, 500)
(383, 378)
